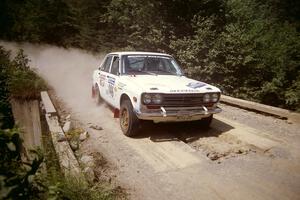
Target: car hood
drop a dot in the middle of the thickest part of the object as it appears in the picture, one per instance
(169, 84)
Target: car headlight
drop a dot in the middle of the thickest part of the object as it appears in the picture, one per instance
(152, 98)
(147, 98)
(157, 98)
(215, 97)
(206, 98)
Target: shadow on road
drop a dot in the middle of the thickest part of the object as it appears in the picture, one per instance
(182, 131)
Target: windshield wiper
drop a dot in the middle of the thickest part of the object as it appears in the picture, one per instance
(151, 73)
(142, 71)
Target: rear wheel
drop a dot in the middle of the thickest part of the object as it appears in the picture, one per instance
(129, 122)
(205, 122)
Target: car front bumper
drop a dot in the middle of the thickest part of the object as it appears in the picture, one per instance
(167, 114)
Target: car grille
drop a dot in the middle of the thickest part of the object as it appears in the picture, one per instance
(182, 100)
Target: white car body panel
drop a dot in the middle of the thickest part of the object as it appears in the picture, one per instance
(112, 87)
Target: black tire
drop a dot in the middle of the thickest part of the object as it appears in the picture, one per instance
(99, 99)
(205, 122)
(129, 123)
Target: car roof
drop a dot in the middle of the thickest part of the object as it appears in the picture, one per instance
(121, 53)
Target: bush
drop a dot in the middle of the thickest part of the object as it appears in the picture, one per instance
(17, 81)
(24, 180)
(23, 82)
(254, 56)
(17, 178)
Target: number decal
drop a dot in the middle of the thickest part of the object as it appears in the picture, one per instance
(102, 79)
(111, 84)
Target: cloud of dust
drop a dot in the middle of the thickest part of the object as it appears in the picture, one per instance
(68, 71)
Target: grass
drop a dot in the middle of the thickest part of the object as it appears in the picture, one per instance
(70, 188)
(25, 85)
(74, 133)
(67, 188)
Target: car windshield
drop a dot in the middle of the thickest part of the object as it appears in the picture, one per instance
(150, 64)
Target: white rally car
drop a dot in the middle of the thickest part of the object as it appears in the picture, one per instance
(151, 86)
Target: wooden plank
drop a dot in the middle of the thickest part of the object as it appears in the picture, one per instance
(279, 112)
(36, 122)
(49, 107)
(249, 135)
(27, 116)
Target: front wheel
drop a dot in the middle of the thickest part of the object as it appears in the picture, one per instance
(129, 122)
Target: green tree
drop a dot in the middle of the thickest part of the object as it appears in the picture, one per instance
(249, 48)
(6, 118)
(255, 55)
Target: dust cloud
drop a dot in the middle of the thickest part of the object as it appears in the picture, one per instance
(68, 71)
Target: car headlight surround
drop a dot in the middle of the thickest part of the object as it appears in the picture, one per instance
(152, 98)
(147, 99)
(206, 98)
(157, 98)
(215, 97)
(211, 97)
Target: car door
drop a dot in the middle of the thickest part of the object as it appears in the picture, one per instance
(104, 71)
(112, 81)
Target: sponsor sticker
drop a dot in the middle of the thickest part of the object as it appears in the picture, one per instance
(184, 91)
(102, 80)
(111, 82)
(195, 85)
(121, 86)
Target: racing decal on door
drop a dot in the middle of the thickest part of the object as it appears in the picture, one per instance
(121, 86)
(102, 79)
(111, 83)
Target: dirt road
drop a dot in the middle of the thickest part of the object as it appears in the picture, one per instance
(243, 156)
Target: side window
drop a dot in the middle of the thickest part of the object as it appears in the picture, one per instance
(106, 64)
(115, 65)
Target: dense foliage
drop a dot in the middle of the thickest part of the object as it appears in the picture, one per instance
(17, 178)
(17, 81)
(6, 119)
(23, 82)
(254, 56)
(249, 48)
(24, 180)
(27, 180)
